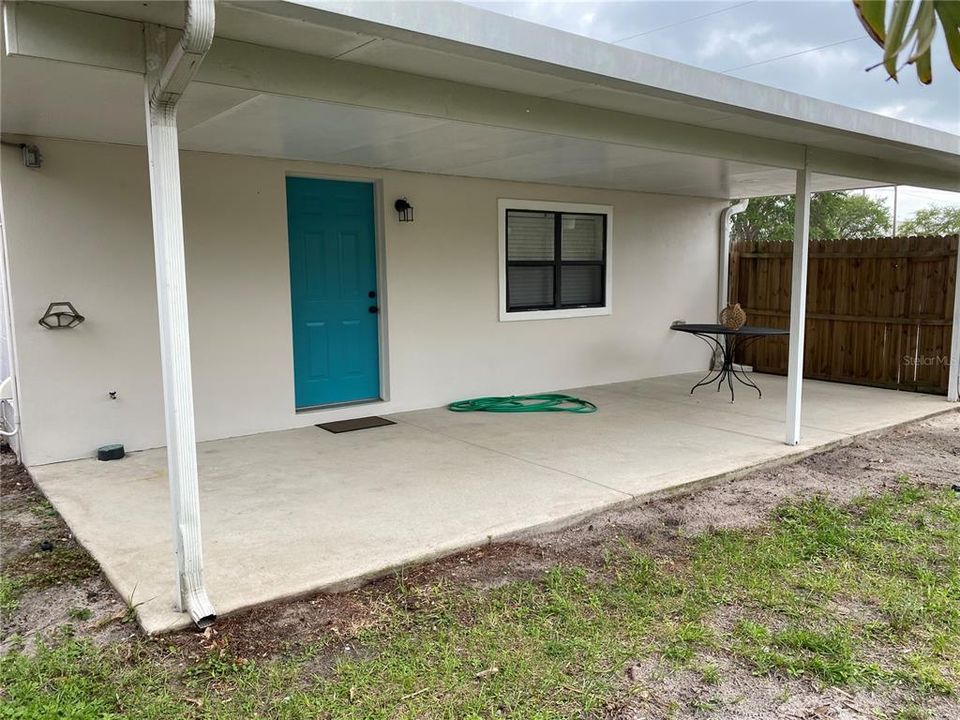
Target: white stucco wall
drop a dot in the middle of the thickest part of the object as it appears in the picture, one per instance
(79, 230)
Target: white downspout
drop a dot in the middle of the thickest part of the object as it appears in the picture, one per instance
(723, 277)
(165, 84)
(726, 223)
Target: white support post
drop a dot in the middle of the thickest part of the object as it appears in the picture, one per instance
(165, 83)
(953, 386)
(798, 304)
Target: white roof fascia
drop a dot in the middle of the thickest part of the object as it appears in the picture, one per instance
(466, 30)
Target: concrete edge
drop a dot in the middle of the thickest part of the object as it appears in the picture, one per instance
(111, 579)
(701, 483)
(549, 526)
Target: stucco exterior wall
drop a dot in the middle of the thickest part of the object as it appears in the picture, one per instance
(79, 229)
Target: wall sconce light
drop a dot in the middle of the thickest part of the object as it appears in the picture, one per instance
(404, 210)
(60, 316)
(31, 156)
(30, 153)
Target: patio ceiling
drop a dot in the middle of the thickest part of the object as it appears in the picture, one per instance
(387, 98)
(229, 120)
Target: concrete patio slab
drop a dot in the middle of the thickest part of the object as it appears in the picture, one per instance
(297, 511)
(288, 512)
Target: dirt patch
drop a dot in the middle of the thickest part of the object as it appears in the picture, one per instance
(50, 579)
(928, 452)
(661, 692)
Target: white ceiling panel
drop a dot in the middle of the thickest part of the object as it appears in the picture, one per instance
(640, 104)
(765, 128)
(457, 42)
(79, 101)
(434, 63)
(296, 128)
(825, 139)
(235, 21)
(71, 101)
(85, 103)
(202, 103)
(685, 175)
(568, 158)
(446, 147)
(239, 23)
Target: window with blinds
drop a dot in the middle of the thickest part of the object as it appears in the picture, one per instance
(555, 260)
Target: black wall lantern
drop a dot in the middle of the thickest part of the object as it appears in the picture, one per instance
(404, 210)
(60, 316)
(30, 154)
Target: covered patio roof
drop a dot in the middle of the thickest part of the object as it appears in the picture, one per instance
(451, 89)
(438, 88)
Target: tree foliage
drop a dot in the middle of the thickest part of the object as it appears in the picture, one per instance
(907, 31)
(933, 220)
(833, 216)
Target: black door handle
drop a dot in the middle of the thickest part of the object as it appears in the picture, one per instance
(372, 294)
(373, 309)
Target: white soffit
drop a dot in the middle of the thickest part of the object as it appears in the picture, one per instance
(434, 63)
(237, 21)
(458, 42)
(68, 101)
(517, 45)
(277, 126)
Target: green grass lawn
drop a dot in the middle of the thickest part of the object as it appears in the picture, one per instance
(866, 595)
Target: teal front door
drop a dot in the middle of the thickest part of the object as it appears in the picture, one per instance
(333, 287)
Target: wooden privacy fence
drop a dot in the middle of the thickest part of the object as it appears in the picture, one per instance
(879, 310)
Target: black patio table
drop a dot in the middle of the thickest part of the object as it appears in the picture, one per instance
(734, 340)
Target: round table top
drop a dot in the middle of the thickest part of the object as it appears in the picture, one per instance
(717, 329)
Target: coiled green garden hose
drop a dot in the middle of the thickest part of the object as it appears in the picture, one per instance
(547, 402)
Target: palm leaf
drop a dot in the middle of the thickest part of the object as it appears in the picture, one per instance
(908, 30)
(926, 27)
(896, 41)
(949, 14)
(873, 14)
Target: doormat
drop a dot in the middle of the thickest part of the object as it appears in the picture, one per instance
(357, 424)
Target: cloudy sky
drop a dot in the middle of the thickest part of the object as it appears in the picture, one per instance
(814, 47)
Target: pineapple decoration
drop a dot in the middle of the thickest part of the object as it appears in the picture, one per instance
(733, 317)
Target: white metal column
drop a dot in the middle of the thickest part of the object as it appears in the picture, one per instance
(166, 79)
(953, 388)
(798, 304)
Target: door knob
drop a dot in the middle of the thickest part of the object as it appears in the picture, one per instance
(372, 294)
(373, 309)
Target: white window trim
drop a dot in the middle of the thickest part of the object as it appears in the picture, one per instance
(504, 204)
